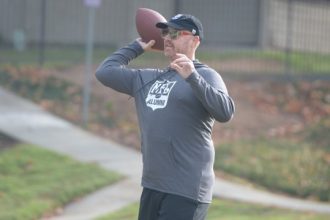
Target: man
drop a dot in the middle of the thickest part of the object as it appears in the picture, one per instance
(176, 109)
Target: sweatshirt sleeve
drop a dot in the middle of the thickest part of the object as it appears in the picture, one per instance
(213, 94)
(113, 71)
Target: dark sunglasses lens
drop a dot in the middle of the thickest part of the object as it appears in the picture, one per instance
(164, 32)
(174, 34)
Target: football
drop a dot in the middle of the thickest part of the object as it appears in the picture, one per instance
(145, 21)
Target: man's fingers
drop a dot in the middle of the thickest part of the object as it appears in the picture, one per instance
(146, 45)
(181, 59)
(183, 65)
(178, 55)
(175, 66)
(151, 43)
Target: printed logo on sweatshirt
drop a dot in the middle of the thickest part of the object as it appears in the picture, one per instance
(159, 93)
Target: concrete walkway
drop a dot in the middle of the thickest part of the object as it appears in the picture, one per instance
(29, 123)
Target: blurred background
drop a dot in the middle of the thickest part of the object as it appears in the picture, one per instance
(278, 36)
(274, 56)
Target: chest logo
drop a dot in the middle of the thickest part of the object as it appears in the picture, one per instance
(159, 93)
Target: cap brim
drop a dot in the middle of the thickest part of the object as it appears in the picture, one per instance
(164, 25)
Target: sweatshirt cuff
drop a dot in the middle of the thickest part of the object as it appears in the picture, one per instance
(137, 47)
(194, 77)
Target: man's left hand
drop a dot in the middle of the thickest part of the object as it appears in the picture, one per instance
(183, 65)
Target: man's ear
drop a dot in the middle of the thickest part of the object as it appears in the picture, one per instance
(197, 40)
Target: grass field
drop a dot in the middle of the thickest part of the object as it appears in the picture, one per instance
(230, 210)
(297, 168)
(35, 182)
(280, 165)
(64, 57)
(27, 191)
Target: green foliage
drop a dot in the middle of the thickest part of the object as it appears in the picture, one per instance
(300, 62)
(35, 86)
(56, 56)
(61, 57)
(222, 210)
(297, 169)
(58, 96)
(107, 116)
(35, 181)
(318, 134)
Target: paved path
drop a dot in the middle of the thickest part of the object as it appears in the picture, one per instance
(29, 123)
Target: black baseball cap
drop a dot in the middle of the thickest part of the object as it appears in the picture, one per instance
(184, 22)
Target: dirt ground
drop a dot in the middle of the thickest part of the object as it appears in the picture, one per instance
(250, 120)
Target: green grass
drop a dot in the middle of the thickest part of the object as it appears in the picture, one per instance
(61, 57)
(299, 62)
(57, 57)
(318, 135)
(35, 181)
(285, 166)
(229, 210)
(127, 213)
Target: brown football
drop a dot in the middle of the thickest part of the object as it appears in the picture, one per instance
(145, 21)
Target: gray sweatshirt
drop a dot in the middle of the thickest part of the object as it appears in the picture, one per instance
(176, 117)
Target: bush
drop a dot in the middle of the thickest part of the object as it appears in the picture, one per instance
(296, 169)
(318, 134)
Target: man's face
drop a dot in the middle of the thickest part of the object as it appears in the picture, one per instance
(177, 41)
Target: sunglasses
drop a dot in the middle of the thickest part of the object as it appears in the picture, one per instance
(173, 33)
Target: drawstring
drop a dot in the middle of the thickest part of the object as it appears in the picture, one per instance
(196, 62)
(152, 81)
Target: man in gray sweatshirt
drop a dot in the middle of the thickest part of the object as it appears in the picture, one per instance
(176, 109)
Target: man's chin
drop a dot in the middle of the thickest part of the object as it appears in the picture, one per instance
(168, 52)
